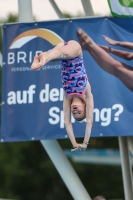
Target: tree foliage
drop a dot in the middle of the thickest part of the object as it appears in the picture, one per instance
(27, 172)
(10, 18)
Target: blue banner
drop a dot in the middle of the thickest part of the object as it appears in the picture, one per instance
(32, 100)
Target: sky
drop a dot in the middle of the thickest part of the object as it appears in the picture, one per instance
(43, 10)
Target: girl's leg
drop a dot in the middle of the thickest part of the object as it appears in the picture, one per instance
(120, 53)
(61, 51)
(39, 60)
(124, 44)
(105, 61)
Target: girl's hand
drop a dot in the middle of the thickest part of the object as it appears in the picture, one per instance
(79, 147)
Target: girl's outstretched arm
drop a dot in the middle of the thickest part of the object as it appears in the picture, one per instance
(89, 118)
(89, 114)
(68, 125)
(67, 119)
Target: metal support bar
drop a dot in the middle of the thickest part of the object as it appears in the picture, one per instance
(57, 10)
(65, 170)
(126, 168)
(0, 59)
(87, 7)
(130, 142)
(25, 10)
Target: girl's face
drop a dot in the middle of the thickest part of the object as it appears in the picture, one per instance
(78, 111)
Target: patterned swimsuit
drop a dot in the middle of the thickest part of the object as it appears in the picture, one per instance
(74, 77)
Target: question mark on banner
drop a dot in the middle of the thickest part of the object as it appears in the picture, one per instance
(120, 110)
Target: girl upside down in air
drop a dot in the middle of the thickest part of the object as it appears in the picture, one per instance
(78, 99)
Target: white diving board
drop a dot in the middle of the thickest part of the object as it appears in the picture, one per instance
(95, 156)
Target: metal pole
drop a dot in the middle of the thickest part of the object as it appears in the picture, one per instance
(0, 59)
(130, 145)
(25, 11)
(57, 10)
(126, 168)
(130, 142)
(65, 170)
(87, 7)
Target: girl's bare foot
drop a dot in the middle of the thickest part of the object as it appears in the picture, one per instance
(109, 40)
(35, 62)
(106, 48)
(43, 59)
(85, 40)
